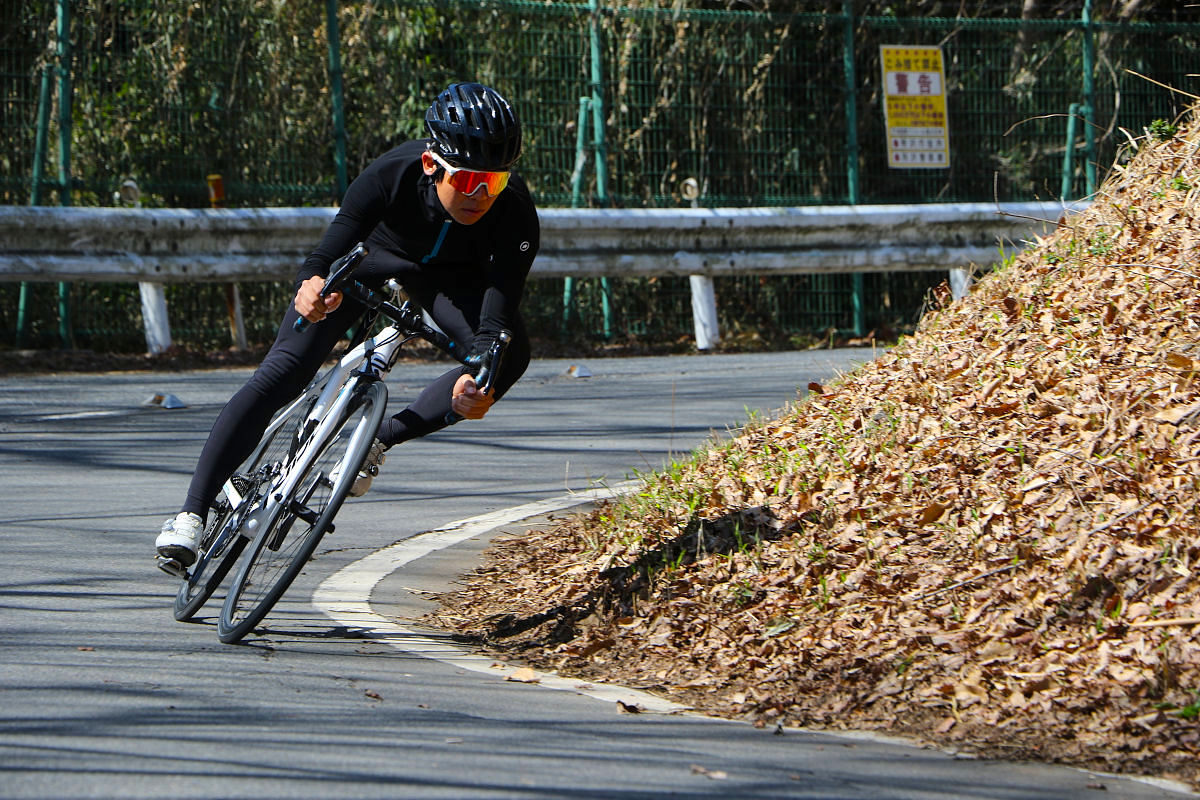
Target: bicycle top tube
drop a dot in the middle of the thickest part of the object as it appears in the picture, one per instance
(407, 318)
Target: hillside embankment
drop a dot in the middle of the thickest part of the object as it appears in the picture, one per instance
(985, 539)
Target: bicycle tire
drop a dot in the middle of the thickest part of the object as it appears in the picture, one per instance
(210, 569)
(276, 448)
(205, 576)
(280, 552)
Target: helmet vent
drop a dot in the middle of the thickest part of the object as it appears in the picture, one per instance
(474, 127)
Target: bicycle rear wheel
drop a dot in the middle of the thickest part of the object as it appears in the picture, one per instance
(279, 552)
(220, 546)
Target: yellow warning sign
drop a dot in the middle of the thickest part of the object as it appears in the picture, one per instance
(914, 80)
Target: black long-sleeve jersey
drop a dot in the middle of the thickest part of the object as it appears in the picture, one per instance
(393, 207)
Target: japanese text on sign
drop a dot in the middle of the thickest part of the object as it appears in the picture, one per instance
(914, 81)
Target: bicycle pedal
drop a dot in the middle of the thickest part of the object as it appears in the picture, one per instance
(172, 567)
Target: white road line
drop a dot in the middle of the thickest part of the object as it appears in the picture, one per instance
(80, 415)
(346, 597)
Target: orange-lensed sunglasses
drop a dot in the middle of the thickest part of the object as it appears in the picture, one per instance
(469, 181)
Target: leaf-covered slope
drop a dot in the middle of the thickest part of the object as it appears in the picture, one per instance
(987, 536)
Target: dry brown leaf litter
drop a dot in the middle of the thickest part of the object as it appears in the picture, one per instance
(986, 538)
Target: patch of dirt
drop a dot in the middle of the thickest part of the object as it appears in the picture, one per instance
(988, 538)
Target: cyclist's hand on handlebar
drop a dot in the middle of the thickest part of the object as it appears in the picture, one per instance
(467, 401)
(309, 303)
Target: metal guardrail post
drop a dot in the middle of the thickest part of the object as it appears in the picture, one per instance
(704, 311)
(156, 323)
(705, 322)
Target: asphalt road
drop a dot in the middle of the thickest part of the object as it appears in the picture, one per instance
(103, 694)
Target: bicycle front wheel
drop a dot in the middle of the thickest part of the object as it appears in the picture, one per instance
(279, 553)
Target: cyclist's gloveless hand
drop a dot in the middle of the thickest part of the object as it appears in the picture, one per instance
(467, 401)
(309, 303)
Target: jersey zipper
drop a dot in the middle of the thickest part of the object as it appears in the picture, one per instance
(438, 244)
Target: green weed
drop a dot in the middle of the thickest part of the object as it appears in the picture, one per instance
(1162, 130)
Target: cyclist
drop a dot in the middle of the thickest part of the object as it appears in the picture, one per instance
(449, 220)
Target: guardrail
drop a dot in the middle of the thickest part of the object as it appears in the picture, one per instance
(158, 246)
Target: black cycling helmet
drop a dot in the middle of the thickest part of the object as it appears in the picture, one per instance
(475, 128)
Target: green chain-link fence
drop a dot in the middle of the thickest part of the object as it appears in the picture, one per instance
(760, 109)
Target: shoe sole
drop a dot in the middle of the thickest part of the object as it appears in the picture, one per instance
(177, 553)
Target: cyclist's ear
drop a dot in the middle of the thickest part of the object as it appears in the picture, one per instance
(430, 166)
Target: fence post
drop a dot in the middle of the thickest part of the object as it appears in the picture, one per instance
(599, 144)
(585, 105)
(1068, 164)
(63, 34)
(233, 297)
(599, 140)
(35, 189)
(851, 83)
(336, 94)
(1089, 99)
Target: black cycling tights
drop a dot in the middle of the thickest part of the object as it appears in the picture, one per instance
(294, 360)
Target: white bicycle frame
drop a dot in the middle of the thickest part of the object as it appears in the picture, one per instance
(336, 392)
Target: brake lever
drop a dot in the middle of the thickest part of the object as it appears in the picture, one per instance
(339, 271)
(485, 378)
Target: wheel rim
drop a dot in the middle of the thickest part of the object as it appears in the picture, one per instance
(288, 544)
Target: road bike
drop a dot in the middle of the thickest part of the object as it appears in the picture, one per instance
(280, 503)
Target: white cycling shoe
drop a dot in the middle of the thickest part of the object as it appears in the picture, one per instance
(370, 468)
(178, 540)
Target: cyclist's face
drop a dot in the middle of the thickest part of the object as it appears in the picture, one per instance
(463, 209)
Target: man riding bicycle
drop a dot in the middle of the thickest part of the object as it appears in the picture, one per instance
(447, 219)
